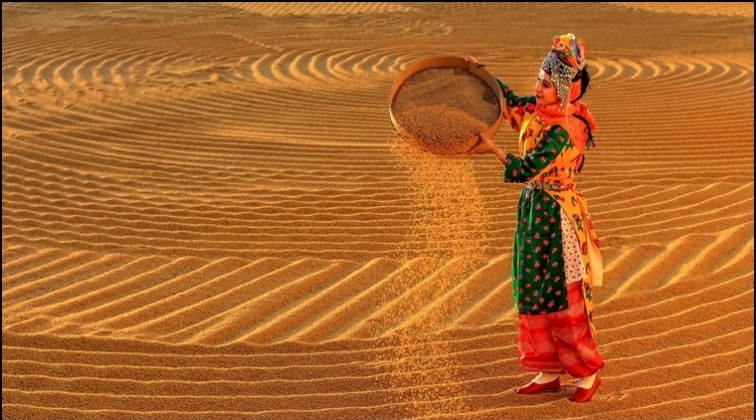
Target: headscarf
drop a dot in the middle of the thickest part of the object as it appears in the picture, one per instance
(563, 62)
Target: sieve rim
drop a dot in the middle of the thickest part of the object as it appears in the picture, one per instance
(447, 62)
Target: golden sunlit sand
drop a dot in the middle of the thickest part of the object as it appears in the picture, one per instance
(207, 214)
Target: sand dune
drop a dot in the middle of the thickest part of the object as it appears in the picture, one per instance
(206, 214)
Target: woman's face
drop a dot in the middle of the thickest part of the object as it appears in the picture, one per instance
(545, 91)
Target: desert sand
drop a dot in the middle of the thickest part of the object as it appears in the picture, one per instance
(207, 214)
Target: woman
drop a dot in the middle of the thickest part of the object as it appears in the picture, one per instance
(556, 261)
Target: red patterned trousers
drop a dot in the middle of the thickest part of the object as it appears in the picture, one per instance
(560, 342)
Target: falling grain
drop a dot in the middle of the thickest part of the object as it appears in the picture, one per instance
(450, 225)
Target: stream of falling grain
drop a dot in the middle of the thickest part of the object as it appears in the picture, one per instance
(450, 225)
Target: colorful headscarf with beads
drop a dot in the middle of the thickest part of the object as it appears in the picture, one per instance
(563, 62)
(566, 58)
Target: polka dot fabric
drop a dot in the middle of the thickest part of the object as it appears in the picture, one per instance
(574, 269)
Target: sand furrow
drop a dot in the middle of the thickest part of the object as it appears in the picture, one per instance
(202, 233)
(104, 208)
(360, 251)
(414, 292)
(200, 389)
(95, 304)
(670, 299)
(467, 289)
(480, 295)
(37, 260)
(135, 353)
(724, 8)
(703, 394)
(143, 306)
(701, 351)
(734, 411)
(319, 8)
(333, 379)
(43, 285)
(213, 304)
(16, 252)
(61, 298)
(242, 374)
(301, 319)
(36, 280)
(467, 365)
(655, 274)
(227, 218)
(260, 310)
(187, 308)
(189, 405)
(654, 334)
(354, 317)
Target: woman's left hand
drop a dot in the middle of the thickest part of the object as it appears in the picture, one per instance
(485, 145)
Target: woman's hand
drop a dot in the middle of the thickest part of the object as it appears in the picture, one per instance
(486, 145)
(471, 59)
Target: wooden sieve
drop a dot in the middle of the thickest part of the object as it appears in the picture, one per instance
(440, 103)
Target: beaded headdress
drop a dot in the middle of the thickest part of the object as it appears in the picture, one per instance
(566, 58)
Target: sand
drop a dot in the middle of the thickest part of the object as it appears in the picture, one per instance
(205, 215)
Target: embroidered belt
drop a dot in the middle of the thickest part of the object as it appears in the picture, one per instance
(539, 185)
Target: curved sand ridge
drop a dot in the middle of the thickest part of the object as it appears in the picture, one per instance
(320, 8)
(206, 214)
(705, 8)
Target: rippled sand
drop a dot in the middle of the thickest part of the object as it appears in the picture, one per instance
(205, 217)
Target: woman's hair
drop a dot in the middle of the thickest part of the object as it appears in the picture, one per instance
(585, 80)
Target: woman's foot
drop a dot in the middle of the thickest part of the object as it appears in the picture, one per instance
(586, 387)
(587, 382)
(545, 378)
(544, 382)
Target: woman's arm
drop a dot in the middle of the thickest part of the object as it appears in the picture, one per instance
(528, 167)
(515, 108)
(486, 145)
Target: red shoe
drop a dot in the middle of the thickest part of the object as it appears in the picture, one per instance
(534, 388)
(582, 395)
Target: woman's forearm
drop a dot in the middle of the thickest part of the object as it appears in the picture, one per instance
(500, 154)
